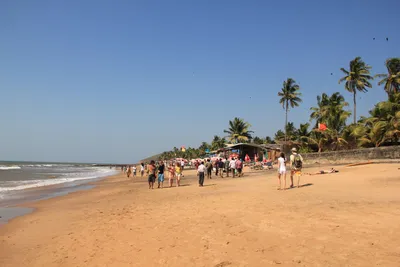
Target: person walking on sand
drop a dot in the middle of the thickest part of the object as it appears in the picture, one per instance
(151, 168)
(178, 173)
(209, 167)
(128, 173)
(221, 168)
(161, 168)
(232, 166)
(200, 172)
(227, 163)
(216, 167)
(171, 176)
(296, 164)
(134, 170)
(182, 167)
(239, 166)
(141, 169)
(282, 171)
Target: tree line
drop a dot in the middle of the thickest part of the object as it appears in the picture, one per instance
(380, 128)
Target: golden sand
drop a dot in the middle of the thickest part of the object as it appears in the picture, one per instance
(351, 218)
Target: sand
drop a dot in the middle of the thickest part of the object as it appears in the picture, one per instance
(351, 218)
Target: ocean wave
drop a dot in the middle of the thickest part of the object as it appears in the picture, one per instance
(5, 168)
(21, 185)
(38, 165)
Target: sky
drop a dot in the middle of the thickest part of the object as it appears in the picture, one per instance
(117, 81)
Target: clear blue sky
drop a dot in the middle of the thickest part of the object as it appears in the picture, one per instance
(116, 81)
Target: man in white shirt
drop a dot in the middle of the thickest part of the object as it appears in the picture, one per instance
(232, 166)
(200, 172)
(134, 170)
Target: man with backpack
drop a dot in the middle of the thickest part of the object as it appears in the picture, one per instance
(296, 164)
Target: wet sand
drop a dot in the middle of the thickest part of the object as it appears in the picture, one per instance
(350, 218)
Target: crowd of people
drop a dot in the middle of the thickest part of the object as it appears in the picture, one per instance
(218, 167)
(155, 171)
(174, 169)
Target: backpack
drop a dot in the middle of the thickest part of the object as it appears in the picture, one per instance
(297, 163)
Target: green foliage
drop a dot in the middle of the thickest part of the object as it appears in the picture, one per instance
(289, 97)
(258, 140)
(391, 80)
(217, 142)
(357, 79)
(238, 131)
(381, 127)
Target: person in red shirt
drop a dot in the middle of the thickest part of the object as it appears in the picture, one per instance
(239, 167)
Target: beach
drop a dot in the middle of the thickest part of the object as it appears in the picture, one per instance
(350, 218)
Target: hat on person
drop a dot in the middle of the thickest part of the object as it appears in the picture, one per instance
(294, 149)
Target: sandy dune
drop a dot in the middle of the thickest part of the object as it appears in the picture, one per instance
(351, 218)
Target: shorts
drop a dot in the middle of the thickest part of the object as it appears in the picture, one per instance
(281, 171)
(239, 170)
(178, 175)
(152, 178)
(160, 177)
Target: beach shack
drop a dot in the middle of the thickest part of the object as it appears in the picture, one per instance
(272, 151)
(243, 149)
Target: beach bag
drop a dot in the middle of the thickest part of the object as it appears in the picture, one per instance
(298, 164)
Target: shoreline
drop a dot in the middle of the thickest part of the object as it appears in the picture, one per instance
(13, 208)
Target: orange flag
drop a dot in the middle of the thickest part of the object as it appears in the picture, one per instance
(322, 127)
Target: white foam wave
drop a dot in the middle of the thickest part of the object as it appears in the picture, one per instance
(38, 165)
(21, 185)
(5, 168)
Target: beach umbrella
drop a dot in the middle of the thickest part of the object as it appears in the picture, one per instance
(233, 155)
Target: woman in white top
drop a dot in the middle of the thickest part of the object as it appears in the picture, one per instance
(282, 170)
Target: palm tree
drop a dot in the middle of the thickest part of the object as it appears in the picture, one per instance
(302, 132)
(290, 96)
(279, 136)
(291, 132)
(383, 125)
(357, 79)
(371, 132)
(258, 140)
(203, 147)
(330, 110)
(238, 131)
(268, 140)
(320, 112)
(392, 78)
(217, 142)
(318, 138)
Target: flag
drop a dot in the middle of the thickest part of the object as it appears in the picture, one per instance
(322, 127)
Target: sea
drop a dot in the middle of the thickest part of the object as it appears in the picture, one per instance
(29, 181)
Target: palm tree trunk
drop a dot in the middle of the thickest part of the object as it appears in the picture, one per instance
(355, 106)
(286, 122)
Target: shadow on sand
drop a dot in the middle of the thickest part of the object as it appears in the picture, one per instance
(209, 185)
(303, 185)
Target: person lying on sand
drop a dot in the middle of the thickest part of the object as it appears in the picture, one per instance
(324, 172)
